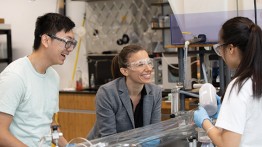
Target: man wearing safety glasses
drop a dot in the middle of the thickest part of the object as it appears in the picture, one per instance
(30, 86)
(131, 100)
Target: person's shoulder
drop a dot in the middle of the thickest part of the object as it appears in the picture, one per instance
(113, 83)
(247, 83)
(17, 66)
(18, 62)
(153, 86)
(113, 87)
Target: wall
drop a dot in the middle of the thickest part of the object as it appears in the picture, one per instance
(111, 18)
(108, 21)
(22, 14)
(75, 10)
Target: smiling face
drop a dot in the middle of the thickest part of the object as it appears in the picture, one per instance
(57, 48)
(139, 68)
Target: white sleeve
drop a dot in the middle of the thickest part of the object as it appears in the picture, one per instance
(11, 92)
(233, 112)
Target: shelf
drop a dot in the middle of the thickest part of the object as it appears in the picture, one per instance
(5, 29)
(159, 3)
(191, 45)
(4, 60)
(160, 28)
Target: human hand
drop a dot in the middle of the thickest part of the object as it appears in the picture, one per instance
(200, 115)
(71, 145)
(218, 107)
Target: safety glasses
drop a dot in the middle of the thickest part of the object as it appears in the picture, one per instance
(141, 64)
(217, 48)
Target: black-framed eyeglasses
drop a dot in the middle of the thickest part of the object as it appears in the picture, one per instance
(217, 48)
(69, 44)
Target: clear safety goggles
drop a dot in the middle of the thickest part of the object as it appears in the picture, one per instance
(141, 64)
(217, 48)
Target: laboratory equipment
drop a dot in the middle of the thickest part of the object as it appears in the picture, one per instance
(172, 132)
(79, 82)
(207, 98)
(56, 134)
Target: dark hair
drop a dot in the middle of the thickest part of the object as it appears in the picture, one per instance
(247, 36)
(121, 59)
(51, 23)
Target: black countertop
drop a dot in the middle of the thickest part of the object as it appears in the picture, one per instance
(79, 92)
(93, 91)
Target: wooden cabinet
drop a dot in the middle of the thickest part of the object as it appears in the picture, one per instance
(77, 114)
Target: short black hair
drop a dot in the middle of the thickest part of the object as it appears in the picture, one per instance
(51, 23)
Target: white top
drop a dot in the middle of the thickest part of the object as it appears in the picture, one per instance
(31, 98)
(241, 113)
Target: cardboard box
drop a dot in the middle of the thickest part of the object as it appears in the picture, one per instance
(2, 20)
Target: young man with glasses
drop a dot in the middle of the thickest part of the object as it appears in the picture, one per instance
(131, 100)
(30, 86)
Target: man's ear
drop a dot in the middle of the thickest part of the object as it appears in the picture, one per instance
(44, 40)
(124, 71)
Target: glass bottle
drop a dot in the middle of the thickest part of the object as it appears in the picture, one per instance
(92, 81)
(79, 84)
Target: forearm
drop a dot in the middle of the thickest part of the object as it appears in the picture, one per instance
(7, 139)
(213, 133)
(62, 142)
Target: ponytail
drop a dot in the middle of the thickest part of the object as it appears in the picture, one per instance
(247, 36)
(255, 53)
(115, 69)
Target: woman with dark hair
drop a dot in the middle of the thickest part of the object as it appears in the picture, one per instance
(115, 70)
(239, 120)
(130, 100)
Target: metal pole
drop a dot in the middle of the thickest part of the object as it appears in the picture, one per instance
(255, 9)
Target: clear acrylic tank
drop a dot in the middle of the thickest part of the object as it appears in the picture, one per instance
(172, 132)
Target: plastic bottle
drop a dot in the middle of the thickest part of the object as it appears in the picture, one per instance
(92, 81)
(79, 84)
(207, 98)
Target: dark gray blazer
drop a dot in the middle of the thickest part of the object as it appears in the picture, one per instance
(114, 112)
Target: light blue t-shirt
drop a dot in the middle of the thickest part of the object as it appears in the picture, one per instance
(31, 98)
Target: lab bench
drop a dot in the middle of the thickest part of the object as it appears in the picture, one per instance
(77, 114)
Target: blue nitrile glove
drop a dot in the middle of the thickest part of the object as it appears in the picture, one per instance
(152, 143)
(200, 115)
(70, 145)
(218, 107)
